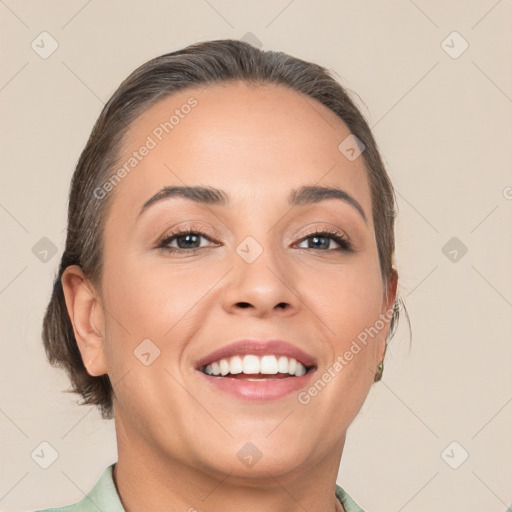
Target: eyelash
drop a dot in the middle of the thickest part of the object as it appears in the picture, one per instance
(341, 240)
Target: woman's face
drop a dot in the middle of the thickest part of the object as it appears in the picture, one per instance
(267, 259)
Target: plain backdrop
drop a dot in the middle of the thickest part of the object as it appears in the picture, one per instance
(434, 80)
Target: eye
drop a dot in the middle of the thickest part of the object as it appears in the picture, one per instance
(191, 240)
(187, 240)
(326, 240)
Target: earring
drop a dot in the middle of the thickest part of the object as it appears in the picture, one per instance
(380, 371)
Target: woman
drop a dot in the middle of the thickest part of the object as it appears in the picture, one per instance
(227, 289)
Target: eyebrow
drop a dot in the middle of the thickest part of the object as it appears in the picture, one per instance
(309, 194)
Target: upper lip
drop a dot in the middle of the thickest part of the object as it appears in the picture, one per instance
(258, 348)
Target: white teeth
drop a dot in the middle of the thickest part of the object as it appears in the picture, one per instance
(251, 365)
(300, 370)
(282, 364)
(224, 367)
(235, 365)
(269, 365)
(215, 368)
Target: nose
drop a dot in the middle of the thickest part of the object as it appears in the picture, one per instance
(261, 289)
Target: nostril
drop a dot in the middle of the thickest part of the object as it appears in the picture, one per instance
(282, 305)
(243, 305)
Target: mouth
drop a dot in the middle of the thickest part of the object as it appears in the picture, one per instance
(252, 367)
(254, 370)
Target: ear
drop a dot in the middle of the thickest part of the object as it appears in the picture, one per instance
(388, 304)
(86, 313)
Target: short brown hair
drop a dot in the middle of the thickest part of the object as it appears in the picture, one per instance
(200, 64)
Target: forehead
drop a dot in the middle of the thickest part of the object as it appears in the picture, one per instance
(254, 141)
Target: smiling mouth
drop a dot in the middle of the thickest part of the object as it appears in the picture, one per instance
(256, 368)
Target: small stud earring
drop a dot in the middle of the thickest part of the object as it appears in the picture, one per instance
(380, 371)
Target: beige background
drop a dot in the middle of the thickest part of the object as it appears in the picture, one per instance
(444, 128)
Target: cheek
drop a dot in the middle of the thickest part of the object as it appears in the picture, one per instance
(149, 299)
(348, 301)
(157, 301)
(348, 298)
(350, 308)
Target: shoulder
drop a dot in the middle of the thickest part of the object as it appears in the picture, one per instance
(103, 496)
(348, 503)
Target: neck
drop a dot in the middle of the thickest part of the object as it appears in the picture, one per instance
(146, 480)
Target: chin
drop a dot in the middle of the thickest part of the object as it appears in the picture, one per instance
(258, 459)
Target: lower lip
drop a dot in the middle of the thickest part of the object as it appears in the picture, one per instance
(271, 389)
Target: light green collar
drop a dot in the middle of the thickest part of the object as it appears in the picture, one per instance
(104, 497)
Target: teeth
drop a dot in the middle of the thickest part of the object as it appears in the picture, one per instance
(300, 370)
(292, 366)
(282, 364)
(235, 365)
(269, 365)
(216, 368)
(224, 367)
(252, 365)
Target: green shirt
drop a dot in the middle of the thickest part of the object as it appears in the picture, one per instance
(103, 496)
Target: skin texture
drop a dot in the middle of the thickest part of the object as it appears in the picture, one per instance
(178, 438)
